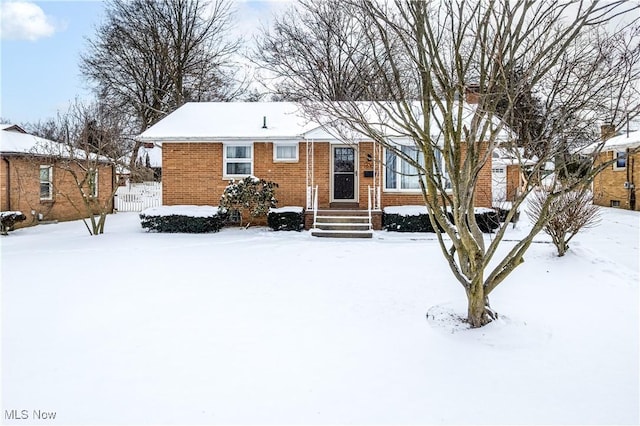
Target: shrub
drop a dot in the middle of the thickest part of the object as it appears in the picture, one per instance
(567, 215)
(9, 219)
(406, 219)
(250, 195)
(286, 219)
(416, 219)
(187, 219)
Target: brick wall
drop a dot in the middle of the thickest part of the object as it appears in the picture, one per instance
(20, 190)
(608, 186)
(192, 174)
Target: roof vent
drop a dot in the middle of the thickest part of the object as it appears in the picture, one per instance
(264, 122)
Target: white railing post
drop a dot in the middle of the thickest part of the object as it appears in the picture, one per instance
(378, 195)
(315, 206)
(369, 206)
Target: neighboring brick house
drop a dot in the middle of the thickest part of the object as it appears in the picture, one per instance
(205, 145)
(36, 185)
(508, 175)
(615, 186)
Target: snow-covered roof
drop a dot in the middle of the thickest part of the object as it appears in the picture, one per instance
(12, 128)
(511, 157)
(631, 140)
(264, 121)
(230, 120)
(19, 143)
(620, 142)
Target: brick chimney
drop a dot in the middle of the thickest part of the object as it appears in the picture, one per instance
(607, 131)
(472, 93)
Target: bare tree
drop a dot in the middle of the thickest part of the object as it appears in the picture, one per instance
(149, 57)
(320, 51)
(555, 48)
(85, 144)
(568, 214)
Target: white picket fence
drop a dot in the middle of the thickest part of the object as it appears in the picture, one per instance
(135, 197)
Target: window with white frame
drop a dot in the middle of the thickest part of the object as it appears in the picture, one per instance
(401, 175)
(621, 160)
(92, 183)
(46, 182)
(238, 160)
(285, 152)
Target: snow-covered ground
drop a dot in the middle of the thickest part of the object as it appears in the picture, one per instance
(261, 327)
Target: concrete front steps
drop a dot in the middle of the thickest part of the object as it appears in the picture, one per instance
(342, 224)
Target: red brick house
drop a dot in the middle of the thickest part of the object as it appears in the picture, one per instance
(35, 184)
(205, 145)
(615, 186)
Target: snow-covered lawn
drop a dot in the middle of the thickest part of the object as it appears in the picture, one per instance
(254, 326)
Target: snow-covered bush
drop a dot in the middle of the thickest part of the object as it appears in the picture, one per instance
(8, 219)
(286, 219)
(416, 219)
(187, 219)
(251, 196)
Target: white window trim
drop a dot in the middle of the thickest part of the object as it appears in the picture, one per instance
(615, 163)
(50, 182)
(236, 160)
(398, 189)
(285, 160)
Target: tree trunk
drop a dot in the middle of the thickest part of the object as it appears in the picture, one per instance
(479, 313)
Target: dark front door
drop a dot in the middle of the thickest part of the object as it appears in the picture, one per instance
(344, 173)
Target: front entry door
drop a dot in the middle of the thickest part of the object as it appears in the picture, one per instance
(344, 173)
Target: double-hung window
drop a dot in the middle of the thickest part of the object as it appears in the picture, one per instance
(285, 152)
(238, 160)
(400, 174)
(621, 160)
(46, 182)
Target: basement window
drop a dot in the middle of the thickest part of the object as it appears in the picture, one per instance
(615, 203)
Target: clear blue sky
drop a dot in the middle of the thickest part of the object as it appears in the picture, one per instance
(41, 46)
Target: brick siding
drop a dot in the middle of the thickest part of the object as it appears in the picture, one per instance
(608, 185)
(192, 174)
(20, 190)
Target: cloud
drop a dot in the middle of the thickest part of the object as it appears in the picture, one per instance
(20, 20)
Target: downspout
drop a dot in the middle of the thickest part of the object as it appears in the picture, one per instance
(6, 160)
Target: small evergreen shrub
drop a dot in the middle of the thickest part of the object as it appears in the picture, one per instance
(487, 219)
(185, 219)
(286, 219)
(9, 219)
(250, 195)
(414, 220)
(406, 223)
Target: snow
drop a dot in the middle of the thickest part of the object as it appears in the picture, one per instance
(16, 142)
(224, 120)
(10, 213)
(185, 210)
(287, 209)
(260, 327)
(240, 122)
(620, 142)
